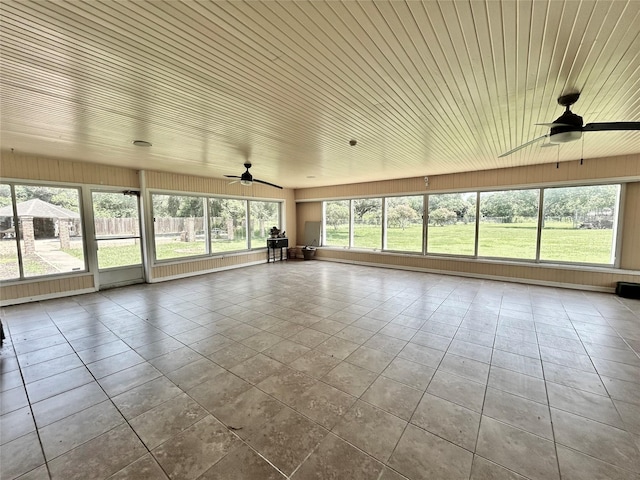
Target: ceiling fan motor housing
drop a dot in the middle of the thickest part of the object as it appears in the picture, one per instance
(567, 128)
(246, 178)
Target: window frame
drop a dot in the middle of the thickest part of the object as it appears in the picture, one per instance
(22, 278)
(540, 188)
(535, 258)
(616, 227)
(385, 226)
(476, 224)
(207, 219)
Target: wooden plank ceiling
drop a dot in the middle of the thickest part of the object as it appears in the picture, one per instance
(425, 88)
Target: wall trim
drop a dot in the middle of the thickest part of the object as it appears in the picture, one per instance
(526, 281)
(493, 188)
(205, 272)
(48, 296)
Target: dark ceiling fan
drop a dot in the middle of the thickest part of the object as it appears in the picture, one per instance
(247, 179)
(568, 127)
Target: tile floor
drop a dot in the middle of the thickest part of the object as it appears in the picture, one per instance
(317, 370)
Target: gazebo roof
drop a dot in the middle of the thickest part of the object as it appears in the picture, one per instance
(39, 209)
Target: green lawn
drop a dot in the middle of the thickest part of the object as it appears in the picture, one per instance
(121, 255)
(560, 241)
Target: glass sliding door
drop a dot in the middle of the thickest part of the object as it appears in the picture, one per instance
(116, 220)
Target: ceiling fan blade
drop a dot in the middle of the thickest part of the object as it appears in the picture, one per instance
(603, 126)
(235, 181)
(523, 146)
(552, 124)
(232, 176)
(267, 183)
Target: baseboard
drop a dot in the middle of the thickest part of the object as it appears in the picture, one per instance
(48, 296)
(205, 272)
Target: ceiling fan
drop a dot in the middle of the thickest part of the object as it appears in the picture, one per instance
(568, 127)
(247, 179)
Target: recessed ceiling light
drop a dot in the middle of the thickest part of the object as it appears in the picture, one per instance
(141, 143)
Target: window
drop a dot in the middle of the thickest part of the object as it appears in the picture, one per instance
(367, 223)
(228, 224)
(579, 224)
(9, 268)
(452, 224)
(178, 226)
(263, 215)
(50, 230)
(336, 223)
(508, 224)
(403, 230)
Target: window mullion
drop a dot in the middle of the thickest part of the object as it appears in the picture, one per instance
(477, 239)
(540, 223)
(16, 229)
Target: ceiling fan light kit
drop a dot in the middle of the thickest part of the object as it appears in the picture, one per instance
(568, 127)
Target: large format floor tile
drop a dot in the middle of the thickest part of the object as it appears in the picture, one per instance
(371, 374)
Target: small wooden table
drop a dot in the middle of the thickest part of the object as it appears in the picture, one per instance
(274, 244)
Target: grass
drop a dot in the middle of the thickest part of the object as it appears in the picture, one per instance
(560, 241)
(33, 266)
(122, 255)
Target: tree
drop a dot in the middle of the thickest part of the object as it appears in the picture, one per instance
(401, 216)
(578, 202)
(190, 207)
(177, 206)
(114, 205)
(366, 205)
(454, 202)
(228, 214)
(263, 211)
(5, 195)
(509, 204)
(63, 197)
(442, 216)
(336, 213)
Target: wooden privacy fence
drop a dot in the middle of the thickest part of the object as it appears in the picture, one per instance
(165, 225)
(117, 226)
